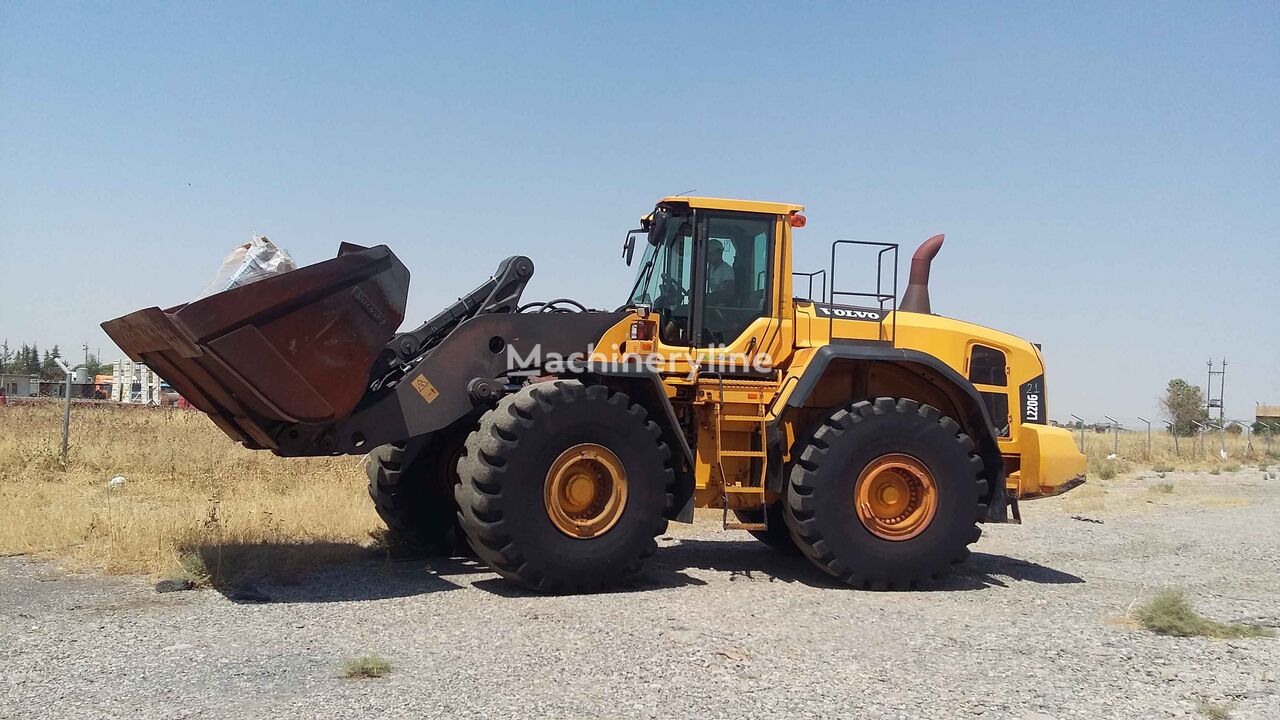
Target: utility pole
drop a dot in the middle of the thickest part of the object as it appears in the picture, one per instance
(1212, 401)
(1222, 391)
(1217, 402)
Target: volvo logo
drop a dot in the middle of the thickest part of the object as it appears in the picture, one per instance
(849, 313)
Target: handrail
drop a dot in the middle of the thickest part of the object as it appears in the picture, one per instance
(809, 275)
(879, 295)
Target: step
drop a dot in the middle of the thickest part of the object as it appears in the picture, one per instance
(745, 489)
(759, 527)
(743, 418)
(743, 453)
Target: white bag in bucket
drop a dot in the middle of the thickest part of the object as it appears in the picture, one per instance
(257, 259)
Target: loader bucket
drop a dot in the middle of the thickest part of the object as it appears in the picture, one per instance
(291, 348)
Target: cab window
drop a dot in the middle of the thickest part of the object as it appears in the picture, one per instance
(736, 274)
(998, 408)
(986, 366)
(666, 278)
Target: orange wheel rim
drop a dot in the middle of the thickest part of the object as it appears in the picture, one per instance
(896, 497)
(586, 491)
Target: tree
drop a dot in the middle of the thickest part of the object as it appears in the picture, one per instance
(49, 369)
(6, 356)
(27, 361)
(1183, 405)
(96, 366)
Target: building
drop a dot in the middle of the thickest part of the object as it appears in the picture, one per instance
(20, 384)
(135, 383)
(1267, 413)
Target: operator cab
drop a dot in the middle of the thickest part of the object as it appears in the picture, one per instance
(706, 271)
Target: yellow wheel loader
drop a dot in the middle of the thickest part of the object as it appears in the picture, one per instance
(867, 434)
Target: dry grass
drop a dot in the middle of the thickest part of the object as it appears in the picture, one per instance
(196, 506)
(1106, 468)
(1090, 497)
(1213, 711)
(191, 568)
(1163, 457)
(1169, 613)
(368, 666)
(193, 505)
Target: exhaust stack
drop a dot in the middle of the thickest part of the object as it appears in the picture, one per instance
(916, 298)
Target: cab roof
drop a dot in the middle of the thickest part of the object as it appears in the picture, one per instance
(755, 206)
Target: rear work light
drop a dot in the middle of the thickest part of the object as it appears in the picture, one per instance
(641, 330)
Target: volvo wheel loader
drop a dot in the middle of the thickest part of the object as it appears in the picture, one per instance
(870, 435)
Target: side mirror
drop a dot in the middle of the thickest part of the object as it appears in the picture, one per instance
(658, 226)
(629, 246)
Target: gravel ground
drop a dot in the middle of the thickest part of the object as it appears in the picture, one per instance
(1033, 626)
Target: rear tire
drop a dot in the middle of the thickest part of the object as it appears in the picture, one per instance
(507, 489)
(411, 485)
(824, 516)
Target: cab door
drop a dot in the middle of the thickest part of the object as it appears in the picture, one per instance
(737, 338)
(736, 294)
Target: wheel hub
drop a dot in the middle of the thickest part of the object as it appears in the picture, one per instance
(586, 491)
(896, 497)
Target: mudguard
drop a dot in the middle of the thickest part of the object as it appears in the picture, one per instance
(976, 421)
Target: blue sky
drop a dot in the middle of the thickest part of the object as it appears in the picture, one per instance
(1108, 175)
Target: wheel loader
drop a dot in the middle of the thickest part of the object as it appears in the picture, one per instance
(850, 426)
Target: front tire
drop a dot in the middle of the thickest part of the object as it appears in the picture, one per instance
(886, 494)
(411, 484)
(564, 487)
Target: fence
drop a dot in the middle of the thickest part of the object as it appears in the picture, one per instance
(1139, 439)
